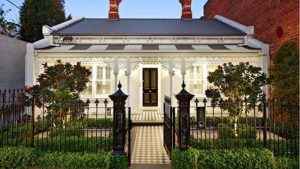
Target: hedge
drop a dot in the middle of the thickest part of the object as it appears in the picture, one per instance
(13, 157)
(230, 159)
(21, 157)
(74, 144)
(279, 148)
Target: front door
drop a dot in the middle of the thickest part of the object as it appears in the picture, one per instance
(150, 95)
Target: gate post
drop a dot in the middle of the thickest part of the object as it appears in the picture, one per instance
(119, 121)
(184, 98)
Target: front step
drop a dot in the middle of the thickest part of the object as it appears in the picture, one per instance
(150, 166)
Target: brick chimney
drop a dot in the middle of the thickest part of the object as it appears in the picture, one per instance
(113, 13)
(186, 9)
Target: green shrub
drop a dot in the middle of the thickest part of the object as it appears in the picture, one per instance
(12, 157)
(225, 131)
(184, 159)
(118, 162)
(66, 132)
(74, 144)
(278, 147)
(287, 163)
(21, 157)
(98, 123)
(74, 160)
(246, 132)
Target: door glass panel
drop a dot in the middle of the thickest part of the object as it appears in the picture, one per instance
(146, 78)
(153, 79)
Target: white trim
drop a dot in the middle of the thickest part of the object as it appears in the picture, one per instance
(29, 65)
(249, 30)
(151, 40)
(47, 30)
(43, 43)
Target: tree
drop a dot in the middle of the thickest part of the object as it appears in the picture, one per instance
(34, 14)
(7, 28)
(59, 88)
(285, 74)
(237, 88)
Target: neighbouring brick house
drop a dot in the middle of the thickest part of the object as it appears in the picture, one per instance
(275, 21)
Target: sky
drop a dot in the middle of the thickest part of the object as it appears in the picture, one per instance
(127, 9)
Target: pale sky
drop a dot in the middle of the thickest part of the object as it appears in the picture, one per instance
(128, 8)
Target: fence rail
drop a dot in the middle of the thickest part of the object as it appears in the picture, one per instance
(270, 124)
(74, 128)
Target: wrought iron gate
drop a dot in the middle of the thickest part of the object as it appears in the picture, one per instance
(169, 125)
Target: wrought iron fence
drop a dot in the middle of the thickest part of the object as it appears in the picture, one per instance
(78, 127)
(270, 124)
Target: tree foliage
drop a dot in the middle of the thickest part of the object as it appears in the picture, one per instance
(7, 28)
(36, 13)
(285, 74)
(59, 87)
(236, 87)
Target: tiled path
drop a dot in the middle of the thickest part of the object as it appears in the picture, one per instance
(148, 115)
(148, 146)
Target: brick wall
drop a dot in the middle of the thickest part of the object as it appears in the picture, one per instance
(275, 21)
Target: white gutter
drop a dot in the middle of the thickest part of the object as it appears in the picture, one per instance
(47, 41)
(249, 30)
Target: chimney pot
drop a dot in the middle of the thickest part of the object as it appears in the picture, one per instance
(113, 13)
(186, 9)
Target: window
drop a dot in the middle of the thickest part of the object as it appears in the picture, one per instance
(103, 81)
(196, 79)
(100, 82)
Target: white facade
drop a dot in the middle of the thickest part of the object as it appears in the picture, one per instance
(126, 65)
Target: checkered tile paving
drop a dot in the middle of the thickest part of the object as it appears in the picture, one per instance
(148, 115)
(148, 146)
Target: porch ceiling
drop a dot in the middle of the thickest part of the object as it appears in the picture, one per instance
(148, 48)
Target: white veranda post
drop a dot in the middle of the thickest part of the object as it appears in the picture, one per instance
(183, 69)
(128, 73)
(171, 73)
(116, 72)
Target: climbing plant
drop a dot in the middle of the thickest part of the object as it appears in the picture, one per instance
(285, 74)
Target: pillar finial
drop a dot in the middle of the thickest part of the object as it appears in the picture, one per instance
(119, 85)
(183, 85)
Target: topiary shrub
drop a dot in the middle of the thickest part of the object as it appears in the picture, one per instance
(184, 159)
(118, 162)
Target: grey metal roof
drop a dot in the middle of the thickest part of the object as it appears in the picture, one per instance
(159, 27)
